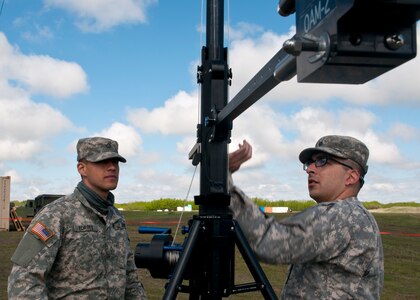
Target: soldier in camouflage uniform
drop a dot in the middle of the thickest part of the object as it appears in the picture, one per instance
(333, 249)
(77, 247)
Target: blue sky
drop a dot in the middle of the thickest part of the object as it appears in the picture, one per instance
(127, 70)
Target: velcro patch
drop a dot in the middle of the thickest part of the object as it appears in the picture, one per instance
(84, 228)
(43, 232)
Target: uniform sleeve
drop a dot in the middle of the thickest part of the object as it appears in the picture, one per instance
(315, 234)
(32, 260)
(134, 289)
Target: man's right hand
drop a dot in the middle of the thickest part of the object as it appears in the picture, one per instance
(239, 156)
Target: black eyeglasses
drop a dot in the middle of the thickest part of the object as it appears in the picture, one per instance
(322, 161)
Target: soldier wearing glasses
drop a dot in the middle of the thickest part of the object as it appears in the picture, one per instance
(333, 249)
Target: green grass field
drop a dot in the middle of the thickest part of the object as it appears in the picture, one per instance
(402, 255)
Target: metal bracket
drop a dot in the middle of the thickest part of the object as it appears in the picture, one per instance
(309, 43)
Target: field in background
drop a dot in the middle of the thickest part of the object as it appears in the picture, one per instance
(401, 248)
(172, 204)
(293, 205)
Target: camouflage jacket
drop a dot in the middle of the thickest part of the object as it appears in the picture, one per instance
(333, 249)
(70, 251)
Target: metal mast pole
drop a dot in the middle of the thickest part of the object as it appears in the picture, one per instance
(214, 77)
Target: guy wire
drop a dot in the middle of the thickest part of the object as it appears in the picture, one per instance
(182, 212)
(198, 117)
(1, 9)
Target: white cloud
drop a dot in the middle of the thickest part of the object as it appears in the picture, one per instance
(262, 127)
(383, 188)
(266, 130)
(23, 119)
(129, 141)
(40, 74)
(25, 124)
(177, 116)
(151, 185)
(15, 149)
(247, 55)
(382, 151)
(404, 132)
(312, 122)
(242, 29)
(101, 15)
(14, 175)
(38, 34)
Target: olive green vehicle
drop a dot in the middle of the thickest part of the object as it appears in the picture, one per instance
(33, 206)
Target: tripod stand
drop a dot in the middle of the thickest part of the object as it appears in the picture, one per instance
(209, 257)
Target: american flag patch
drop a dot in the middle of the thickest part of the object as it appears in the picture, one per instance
(42, 231)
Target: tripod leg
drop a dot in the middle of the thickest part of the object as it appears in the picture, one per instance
(177, 276)
(252, 263)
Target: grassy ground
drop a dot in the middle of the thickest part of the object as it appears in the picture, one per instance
(402, 255)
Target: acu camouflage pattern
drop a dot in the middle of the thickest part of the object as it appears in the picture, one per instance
(88, 257)
(96, 149)
(333, 249)
(339, 146)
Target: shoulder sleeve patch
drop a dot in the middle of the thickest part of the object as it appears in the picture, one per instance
(43, 232)
(28, 248)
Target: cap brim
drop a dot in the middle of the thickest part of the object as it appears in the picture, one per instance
(105, 156)
(306, 154)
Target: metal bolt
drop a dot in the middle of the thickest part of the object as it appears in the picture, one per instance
(394, 41)
(355, 39)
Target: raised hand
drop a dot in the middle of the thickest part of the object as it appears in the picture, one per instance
(239, 156)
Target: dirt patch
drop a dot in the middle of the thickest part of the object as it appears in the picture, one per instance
(397, 210)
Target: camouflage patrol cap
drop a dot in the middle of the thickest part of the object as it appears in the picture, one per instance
(96, 149)
(339, 146)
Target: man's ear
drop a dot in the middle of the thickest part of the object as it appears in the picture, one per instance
(81, 168)
(353, 177)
